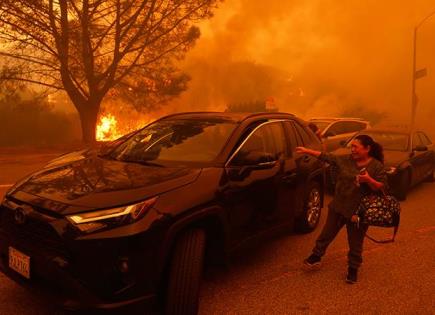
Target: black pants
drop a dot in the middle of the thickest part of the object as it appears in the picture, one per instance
(355, 237)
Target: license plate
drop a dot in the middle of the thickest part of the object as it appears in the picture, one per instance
(19, 262)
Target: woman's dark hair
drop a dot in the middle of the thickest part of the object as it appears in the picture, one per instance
(376, 150)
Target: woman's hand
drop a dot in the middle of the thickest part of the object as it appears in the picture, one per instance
(301, 150)
(364, 178)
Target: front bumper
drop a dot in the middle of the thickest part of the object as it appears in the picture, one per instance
(82, 275)
(51, 283)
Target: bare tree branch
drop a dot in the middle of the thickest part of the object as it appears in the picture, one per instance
(56, 87)
(89, 47)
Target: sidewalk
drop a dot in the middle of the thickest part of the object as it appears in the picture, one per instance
(17, 162)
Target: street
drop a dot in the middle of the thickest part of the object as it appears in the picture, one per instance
(268, 279)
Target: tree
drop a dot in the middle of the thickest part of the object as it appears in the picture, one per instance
(90, 47)
(24, 113)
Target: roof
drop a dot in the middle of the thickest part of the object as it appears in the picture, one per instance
(337, 119)
(386, 130)
(237, 117)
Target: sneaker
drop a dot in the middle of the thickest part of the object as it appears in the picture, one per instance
(352, 275)
(312, 261)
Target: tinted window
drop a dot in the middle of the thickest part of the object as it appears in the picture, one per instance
(277, 134)
(425, 139)
(416, 141)
(299, 140)
(338, 128)
(176, 140)
(354, 126)
(306, 138)
(293, 137)
(266, 140)
(321, 124)
(343, 127)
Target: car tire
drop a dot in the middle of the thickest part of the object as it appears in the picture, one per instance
(185, 273)
(403, 186)
(312, 210)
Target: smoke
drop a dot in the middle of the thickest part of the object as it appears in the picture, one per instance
(330, 55)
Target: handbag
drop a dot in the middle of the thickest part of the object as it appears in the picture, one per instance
(380, 210)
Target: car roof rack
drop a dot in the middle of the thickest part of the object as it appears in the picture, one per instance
(337, 118)
(234, 115)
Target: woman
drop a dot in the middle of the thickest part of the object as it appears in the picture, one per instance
(359, 173)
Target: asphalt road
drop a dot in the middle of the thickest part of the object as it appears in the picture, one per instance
(268, 279)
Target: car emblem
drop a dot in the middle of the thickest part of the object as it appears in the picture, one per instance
(20, 216)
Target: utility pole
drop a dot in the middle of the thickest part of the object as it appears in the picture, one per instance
(414, 95)
(416, 74)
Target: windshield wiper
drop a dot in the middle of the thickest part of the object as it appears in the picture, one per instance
(107, 156)
(147, 163)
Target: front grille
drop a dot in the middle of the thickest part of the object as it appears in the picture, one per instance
(32, 233)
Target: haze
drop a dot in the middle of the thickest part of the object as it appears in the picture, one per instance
(334, 54)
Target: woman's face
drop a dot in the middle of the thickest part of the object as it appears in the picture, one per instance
(358, 151)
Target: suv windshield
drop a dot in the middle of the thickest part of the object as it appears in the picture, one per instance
(176, 140)
(390, 141)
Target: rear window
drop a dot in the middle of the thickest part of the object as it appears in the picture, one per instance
(321, 124)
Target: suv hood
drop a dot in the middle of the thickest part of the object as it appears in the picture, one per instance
(82, 181)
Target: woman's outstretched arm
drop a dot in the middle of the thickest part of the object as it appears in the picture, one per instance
(322, 156)
(303, 150)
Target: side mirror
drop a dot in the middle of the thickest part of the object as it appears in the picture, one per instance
(254, 160)
(257, 158)
(420, 148)
(242, 166)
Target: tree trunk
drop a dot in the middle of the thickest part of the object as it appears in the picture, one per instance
(88, 119)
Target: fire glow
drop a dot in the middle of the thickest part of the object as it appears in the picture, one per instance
(109, 128)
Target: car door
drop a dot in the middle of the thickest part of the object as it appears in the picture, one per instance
(250, 191)
(293, 179)
(429, 155)
(417, 159)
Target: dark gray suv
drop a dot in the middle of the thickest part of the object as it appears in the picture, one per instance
(136, 220)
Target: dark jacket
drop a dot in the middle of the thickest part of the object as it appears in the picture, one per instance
(347, 194)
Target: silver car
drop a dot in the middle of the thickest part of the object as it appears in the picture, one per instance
(336, 131)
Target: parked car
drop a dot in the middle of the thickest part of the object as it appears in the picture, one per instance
(409, 157)
(136, 220)
(336, 130)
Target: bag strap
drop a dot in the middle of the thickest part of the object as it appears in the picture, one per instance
(382, 189)
(396, 228)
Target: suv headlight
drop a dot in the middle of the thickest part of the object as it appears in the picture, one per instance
(97, 220)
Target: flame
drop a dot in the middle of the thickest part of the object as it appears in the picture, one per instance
(109, 128)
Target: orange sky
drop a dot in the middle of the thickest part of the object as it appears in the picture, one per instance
(339, 52)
